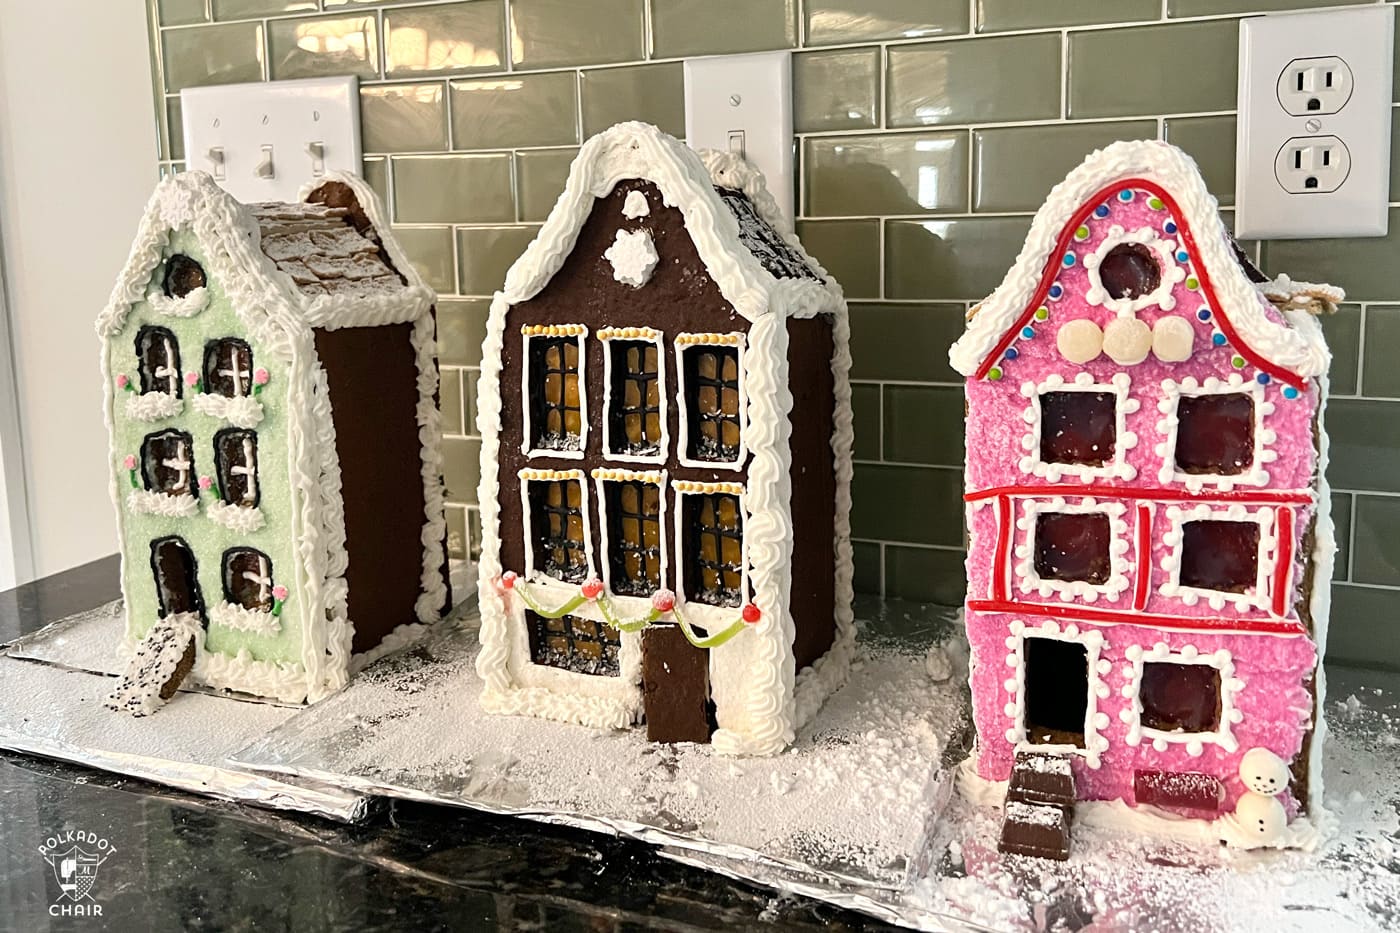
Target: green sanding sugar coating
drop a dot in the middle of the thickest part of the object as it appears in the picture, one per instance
(206, 539)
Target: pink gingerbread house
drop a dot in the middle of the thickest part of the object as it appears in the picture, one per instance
(1150, 538)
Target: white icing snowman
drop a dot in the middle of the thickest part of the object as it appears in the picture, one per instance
(1259, 810)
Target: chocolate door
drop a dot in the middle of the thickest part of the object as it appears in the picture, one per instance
(177, 582)
(675, 687)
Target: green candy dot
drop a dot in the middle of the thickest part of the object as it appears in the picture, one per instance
(1237, 362)
(994, 373)
(1192, 283)
(1042, 313)
(1082, 233)
(1155, 203)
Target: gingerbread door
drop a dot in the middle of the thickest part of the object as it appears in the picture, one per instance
(675, 687)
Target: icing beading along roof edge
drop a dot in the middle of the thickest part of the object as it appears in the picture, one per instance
(1301, 351)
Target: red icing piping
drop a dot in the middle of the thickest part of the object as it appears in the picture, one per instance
(1284, 566)
(1289, 497)
(1003, 547)
(1144, 556)
(1104, 616)
(1052, 269)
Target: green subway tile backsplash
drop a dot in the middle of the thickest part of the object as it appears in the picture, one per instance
(928, 132)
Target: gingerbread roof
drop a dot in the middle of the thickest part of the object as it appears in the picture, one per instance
(320, 248)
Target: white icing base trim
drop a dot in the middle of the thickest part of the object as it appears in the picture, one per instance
(543, 703)
(241, 411)
(239, 518)
(401, 638)
(161, 503)
(153, 406)
(278, 680)
(256, 621)
(190, 305)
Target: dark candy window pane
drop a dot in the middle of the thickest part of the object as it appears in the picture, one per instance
(182, 276)
(712, 400)
(1220, 555)
(228, 368)
(635, 416)
(158, 358)
(236, 460)
(1129, 270)
(714, 549)
(634, 537)
(176, 576)
(1072, 546)
(1180, 697)
(1056, 691)
(556, 514)
(1215, 433)
(1078, 427)
(573, 644)
(167, 463)
(248, 579)
(556, 405)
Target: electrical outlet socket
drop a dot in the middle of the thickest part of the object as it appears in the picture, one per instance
(1312, 154)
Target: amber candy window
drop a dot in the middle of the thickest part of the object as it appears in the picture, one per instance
(167, 463)
(556, 514)
(712, 402)
(714, 549)
(228, 368)
(1220, 555)
(236, 460)
(248, 579)
(556, 403)
(1179, 697)
(158, 358)
(634, 537)
(1078, 427)
(1215, 434)
(635, 418)
(573, 644)
(1073, 546)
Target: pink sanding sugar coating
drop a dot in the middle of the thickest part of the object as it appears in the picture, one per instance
(1275, 702)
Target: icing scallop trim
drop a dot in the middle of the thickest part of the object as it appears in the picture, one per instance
(240, 518)
(153, 406)
(241, 411)
(253, 621)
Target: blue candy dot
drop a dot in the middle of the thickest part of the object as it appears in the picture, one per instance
(1218, 339)
(1169, 227)
(1028, 332)
(1290, 392)
(1181, 255)
(1263, 379)
(1011, 353)
(1203, 314)
(1125, 195)
(1056, 291)
(1101, 210)
(1069, 259)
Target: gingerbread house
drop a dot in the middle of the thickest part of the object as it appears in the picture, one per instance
(1150, 538)
(271, 378)
(666, 458)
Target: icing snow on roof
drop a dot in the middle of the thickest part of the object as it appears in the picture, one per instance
(1161, 165)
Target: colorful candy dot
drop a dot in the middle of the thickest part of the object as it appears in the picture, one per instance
(1192, 284)
(1262, 379)
(1041, 313)
(1012, 353)
(1027, 331)
(1290, 392)
(1056, 291)
(1082, 233)
(1237, 362)
(1125, 195)
(1069, 259)
(1155, 203)
(1101, 210)
(1218, 339)
(1181, 255)
(1169, 226)
(994, 373)
(1203, 314)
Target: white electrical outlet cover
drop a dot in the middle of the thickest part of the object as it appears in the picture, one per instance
(1276, 193)
(244, 120)
(750, 95)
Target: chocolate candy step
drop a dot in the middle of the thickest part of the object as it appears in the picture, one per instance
(1041, 830)
(1038, 777)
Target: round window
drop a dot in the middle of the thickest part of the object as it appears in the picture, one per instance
(182, 276)
(1129, 270)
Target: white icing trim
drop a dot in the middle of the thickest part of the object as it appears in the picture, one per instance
(635, 205)
(527, 522)
(655, 478)
(642, 335)
(1223, 735)
(1124, 440)
(1095, 744)
(1234, 384)
(576, 451)
(632, 256)
(682, 343)
(241, 411)
(241, 672)
(240, 518)
(1259, 597)
(1029, 581)
(194, 301)
(153, 406)
(256, 621)
(1161, 296)
(1248, 311)
(681, 558)
(147, 502)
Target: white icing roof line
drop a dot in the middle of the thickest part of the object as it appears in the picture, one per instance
(1300, 351)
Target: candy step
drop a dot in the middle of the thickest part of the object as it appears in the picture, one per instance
(1036, 829)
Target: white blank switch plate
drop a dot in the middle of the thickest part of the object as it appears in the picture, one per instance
(744, 102)
(263, 141)
(1313, 139)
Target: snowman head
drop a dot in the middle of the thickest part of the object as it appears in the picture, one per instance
(1264, 772)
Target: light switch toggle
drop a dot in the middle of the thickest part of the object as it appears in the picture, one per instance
(736, 143)
(317, 151)
(216, 162)
(264, 167)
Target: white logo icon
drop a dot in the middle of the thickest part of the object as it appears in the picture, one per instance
(75, 856)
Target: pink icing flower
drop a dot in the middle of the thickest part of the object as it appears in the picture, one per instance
(130, 462)
(260, 377)
(123, 381)
(663, 600)
(508, 579)
(592, 588)
(191, 379)
(279, 592)
(205, 482)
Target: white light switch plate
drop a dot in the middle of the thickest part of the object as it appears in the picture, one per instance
(233, 130)
(745, 102)
(1313, 138)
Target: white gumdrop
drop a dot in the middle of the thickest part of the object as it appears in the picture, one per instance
(1172, 339)
(1127, 341)
(1079, 341)
(1264, 772)
(1261, 817)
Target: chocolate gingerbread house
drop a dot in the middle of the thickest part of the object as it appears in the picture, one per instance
(666, 458)
(271, 378)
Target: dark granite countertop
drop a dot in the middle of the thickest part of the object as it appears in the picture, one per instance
(187, 863)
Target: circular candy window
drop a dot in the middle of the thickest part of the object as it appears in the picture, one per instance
(182, 276)
(1129, 270)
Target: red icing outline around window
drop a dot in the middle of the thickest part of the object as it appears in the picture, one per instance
(999, 569)
(1144, 556)
(1052, 269)
(1268, 496)
(1283, 567)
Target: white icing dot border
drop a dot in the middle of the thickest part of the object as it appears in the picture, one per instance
(1260, 597)
(1029, 581)
(683, 342)
(630, 605)
(634, 335)
(254, 621)
(1124, 440)
(1095, 722)
(1161, 296)
(580, 335)
(528, 475)
(1264, 437)
(1195, 742)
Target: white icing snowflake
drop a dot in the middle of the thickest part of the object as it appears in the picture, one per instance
(635, 205)
(633, 257)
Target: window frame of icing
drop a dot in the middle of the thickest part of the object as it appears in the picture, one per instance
(1168, 268)
(685, 488)
(1096, 722)
(688, 341)
(527, 475)
(1023, 561)
(1230, 715)
(629, 602)
(606, 336)
(1120, 386)
(1174, 538)
(579, 332)
(1167, 429)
